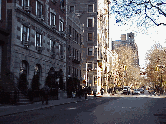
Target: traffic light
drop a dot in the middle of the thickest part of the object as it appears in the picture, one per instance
(156, 68)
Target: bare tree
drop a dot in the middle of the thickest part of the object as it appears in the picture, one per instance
(156, 62)
(127, 70)
(146, 11)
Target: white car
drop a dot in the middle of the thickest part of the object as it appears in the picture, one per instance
(136, 91)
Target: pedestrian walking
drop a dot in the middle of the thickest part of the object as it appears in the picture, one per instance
(30, 94)
(15, 96)
(45, 94)
(73, 94)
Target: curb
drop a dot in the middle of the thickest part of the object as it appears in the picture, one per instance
(42, 107)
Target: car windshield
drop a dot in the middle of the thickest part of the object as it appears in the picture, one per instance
(125, 87)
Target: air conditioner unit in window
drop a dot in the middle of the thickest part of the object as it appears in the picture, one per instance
(41, 18)
(54, 27)
(78, 14)
(28, 8)
(26, 43)
(39, 49)
(62, 33)
(63, 7)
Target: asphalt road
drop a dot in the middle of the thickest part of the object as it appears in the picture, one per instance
(105, 110)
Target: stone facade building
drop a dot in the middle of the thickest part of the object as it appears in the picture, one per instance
(38, 39)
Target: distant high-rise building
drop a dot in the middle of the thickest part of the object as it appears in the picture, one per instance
(127, 42)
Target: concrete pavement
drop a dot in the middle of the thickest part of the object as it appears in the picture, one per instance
(7, 110)
(14, 109)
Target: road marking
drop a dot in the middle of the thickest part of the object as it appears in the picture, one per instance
(71, 108)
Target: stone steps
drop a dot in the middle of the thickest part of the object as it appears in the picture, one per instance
(23, 100)
(62, 94)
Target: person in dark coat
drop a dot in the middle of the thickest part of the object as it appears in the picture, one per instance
(45, 93)
(15, 96)
(30, 94)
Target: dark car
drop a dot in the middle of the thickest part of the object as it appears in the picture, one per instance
(136, 91)
(141, 90)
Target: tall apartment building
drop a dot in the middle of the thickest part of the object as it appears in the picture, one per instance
(38, 39)
(94, 15)
(129, 42)
(73, 48)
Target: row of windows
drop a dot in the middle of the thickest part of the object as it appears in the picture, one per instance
(75, 71)
(91, 65)
(90, 8)
(25, 37)
(39, 13)
(76, 54)
(76, 36)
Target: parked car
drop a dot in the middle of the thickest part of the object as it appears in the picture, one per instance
(126, 90)
(151, 91)
(136, 91)
(141, 90)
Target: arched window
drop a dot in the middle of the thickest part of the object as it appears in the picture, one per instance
(24, 67)
(38, 71)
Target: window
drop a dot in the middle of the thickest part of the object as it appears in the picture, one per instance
(73, 71)
(90, 22)
(77, 72)
(25, 3)
(24, 33)
(60, 25)
(89, 65)
(62, 4)
(69, 29)
(52, 19)
(38, 41)
(80, 39)
(39, 9)
(71, 8)
(0, 9)
(90, 51)
(69, 70)
(52, 46)
(90, 8)
(77, 54)
(60, 50)
(90, 36)
(73, 54)
(75, 35)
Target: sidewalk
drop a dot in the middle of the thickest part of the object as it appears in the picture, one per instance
(14, 109)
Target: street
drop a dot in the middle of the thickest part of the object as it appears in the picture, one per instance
(104, 110)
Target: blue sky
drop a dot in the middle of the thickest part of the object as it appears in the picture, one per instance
(144, 37)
